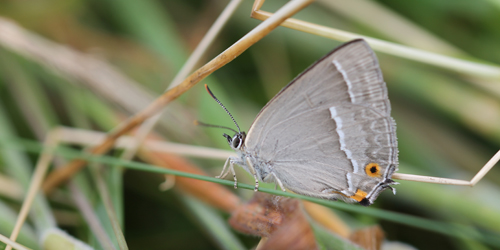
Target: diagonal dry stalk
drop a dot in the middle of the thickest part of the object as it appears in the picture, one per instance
(10, 243)
(62, 174)
(36, 180)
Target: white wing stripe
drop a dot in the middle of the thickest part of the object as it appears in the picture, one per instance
(340, 132)
(346, 79)
(349, 183)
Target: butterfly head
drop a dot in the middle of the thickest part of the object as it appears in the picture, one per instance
(236, 142)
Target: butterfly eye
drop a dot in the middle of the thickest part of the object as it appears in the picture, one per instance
(237, 141)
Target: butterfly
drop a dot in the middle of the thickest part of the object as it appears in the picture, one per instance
(327, 134)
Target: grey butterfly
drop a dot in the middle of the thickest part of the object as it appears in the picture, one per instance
(327, 134)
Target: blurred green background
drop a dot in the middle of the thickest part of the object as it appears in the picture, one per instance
(448, 122)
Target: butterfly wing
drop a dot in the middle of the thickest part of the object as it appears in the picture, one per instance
(321, 132)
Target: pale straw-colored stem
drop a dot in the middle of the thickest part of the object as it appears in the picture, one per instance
(90, 138)
(429, 179)
(262, 242)
(36, 181)
(487, 167)
(62, 174)
(11, 243)
(461, 66)
(93, 138)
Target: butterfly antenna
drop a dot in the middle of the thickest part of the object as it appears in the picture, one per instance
(213, 126)
(217, 100)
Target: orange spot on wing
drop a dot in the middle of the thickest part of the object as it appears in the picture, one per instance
(359, 195)
(373, 170)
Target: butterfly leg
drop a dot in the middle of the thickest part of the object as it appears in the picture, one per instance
(256, 182)
(252, 171)
(224, 173)
(279, 182)
(234, 175)
(229, 163)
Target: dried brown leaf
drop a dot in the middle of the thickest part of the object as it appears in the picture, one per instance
(281, 220)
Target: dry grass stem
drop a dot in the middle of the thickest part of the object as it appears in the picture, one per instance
(461, 66)
(429, 179)
(92, 138)
(13, 244)
(36, 180)
(62, 174)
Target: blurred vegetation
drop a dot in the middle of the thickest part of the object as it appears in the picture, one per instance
(448, 125)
